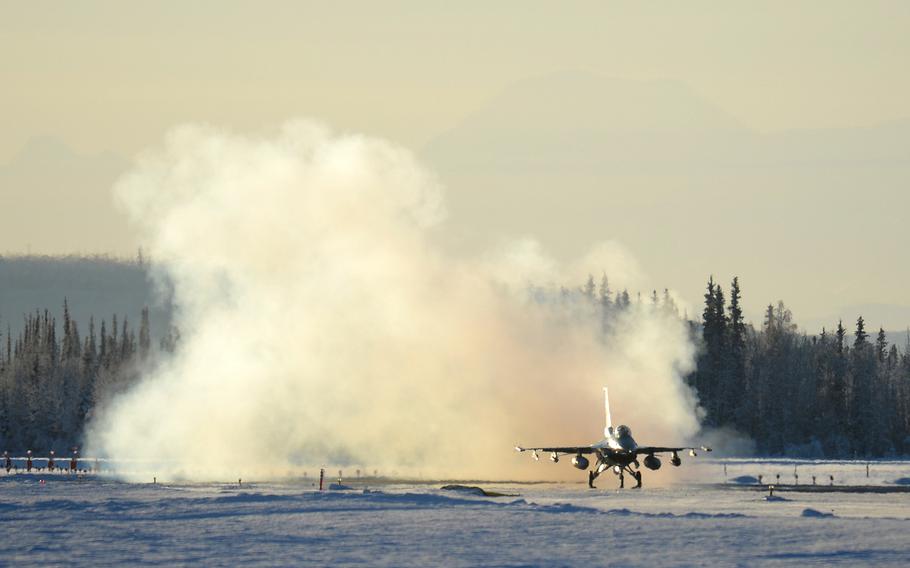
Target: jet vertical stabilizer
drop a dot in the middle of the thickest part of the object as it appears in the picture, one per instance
(608, 428)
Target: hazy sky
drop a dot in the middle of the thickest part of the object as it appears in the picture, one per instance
(87, 85)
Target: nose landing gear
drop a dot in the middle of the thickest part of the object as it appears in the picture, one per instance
(619, 470)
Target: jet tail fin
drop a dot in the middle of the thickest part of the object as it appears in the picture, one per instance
(608, 427)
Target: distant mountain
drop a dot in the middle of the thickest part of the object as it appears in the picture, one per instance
(575, 159)
(566, 121)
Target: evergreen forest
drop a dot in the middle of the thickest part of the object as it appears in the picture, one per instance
(839, 393)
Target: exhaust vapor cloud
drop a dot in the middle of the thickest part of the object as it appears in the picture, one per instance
(322, 324)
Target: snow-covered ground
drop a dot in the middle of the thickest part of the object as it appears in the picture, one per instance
(94, 520)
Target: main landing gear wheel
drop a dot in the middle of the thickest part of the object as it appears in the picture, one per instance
(591, 477)
(637, 476)
(622, 480)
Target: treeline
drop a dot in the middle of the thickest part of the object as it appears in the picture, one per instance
(95, 286)
(840, 393)
(53, 378)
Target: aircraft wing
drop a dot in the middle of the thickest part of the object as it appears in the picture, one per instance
(660, 449)
(559, 450)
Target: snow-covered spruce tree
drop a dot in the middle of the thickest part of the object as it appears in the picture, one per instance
(735, 362)
(51, 383)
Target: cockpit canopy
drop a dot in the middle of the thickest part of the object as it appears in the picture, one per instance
(623, 431)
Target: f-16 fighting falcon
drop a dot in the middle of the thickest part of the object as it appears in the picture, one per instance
(617, 451)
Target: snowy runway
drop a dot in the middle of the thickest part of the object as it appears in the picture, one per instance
(94, 521)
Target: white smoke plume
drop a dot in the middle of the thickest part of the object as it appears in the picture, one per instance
(322, 325)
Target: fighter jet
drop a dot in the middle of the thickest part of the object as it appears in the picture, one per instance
(617, 451)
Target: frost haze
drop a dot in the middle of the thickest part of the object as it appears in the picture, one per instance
(322, 324)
